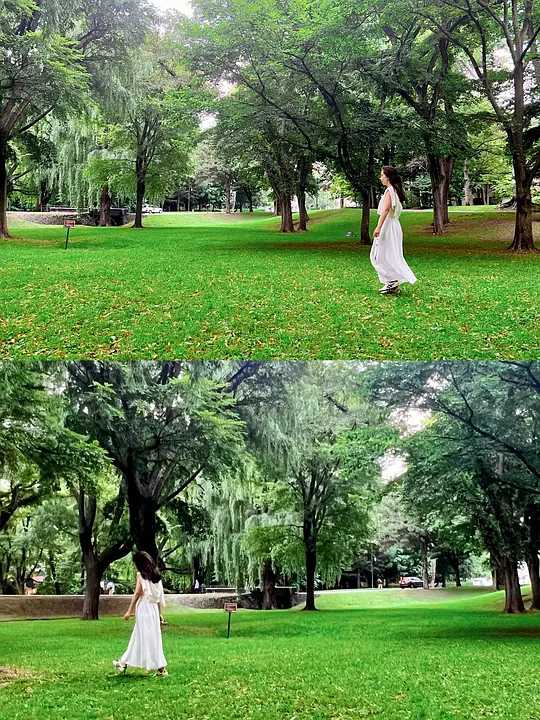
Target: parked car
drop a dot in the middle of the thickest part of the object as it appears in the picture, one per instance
(411, 582)
(151, 210)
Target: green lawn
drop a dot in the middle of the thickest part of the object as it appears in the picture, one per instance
(211, 286)
(385, 654)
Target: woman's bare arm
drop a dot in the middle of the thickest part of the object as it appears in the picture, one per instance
(387, 206)
(136, 595)
(161, 618)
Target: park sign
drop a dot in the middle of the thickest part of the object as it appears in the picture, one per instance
(230, 608)
(68, 224)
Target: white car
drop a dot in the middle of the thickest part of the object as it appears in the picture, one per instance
(151, 210)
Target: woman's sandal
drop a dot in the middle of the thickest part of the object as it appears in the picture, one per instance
(121, 667)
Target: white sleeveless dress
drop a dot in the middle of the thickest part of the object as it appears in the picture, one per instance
(145, 649)
(387, 250)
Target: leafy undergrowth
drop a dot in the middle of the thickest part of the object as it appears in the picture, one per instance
(386, 654)
(212, 286)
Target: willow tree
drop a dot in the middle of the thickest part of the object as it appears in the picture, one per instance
(321, 452)
(161, 426)
(51, 55)
(150, 138)
(37, 451)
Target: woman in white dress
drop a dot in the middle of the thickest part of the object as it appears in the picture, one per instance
(145, 649)
(387, 250)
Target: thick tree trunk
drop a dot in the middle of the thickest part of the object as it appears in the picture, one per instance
(534, 573)
(440, 173)
(303, 214)
(44, 196)
(457, 574)
(250, 200)
(142, 520)
(87, 506)
(141, 187)
(105, 202)
(92, 588)
(310, 552)
(304, 169)
(365, 238)
(532, 517)
(287, 224)
(496, 573)
(468, 198)
(197, 573)
(228, 197)
(523, 231)
(269, 586)
(425, 563)
(310, 546)
(4, 232)
(513, 598)
(52, 568)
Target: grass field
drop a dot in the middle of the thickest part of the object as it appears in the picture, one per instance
(389, 654)
(212, 286)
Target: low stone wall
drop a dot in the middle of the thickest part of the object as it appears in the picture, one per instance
(56, 606)
(36, 607)
(43, 218)
(57, 218)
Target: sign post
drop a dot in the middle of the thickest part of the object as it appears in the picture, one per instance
(68, 224)
(230, 608)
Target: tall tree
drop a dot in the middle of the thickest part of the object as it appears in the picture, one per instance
(420, 69)
(51, 53)
(479, 29)
(161, 428)
(451, 479)
(37, 451)
(324, 459)
(303, 62)
(103, 533)
(492, 410)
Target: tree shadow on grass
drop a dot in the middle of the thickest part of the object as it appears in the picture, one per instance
(129, 678)
(399, 625)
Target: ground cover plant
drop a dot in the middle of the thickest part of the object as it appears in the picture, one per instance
(222, 286)
(378, 654)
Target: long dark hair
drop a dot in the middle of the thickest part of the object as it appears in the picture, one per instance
(395, 180)
(146, 565)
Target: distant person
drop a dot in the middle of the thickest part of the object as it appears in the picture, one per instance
(387, 250)
(30, 586)
(145, 649)
(380, 583)
(110, 588)
(196, 586)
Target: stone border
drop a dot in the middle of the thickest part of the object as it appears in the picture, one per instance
(37, 607)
